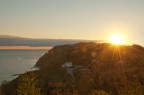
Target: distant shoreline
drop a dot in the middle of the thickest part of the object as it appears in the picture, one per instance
(25, 47)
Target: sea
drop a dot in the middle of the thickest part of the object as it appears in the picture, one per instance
(14, 62)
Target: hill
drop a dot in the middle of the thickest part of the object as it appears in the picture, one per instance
(7, 40)
(97, 68)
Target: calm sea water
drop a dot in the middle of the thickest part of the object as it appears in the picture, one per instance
(17, 61)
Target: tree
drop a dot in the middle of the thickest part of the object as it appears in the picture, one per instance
(98, 92)
(5, 88)
(28, 84)
(132, 89)
(1, 92)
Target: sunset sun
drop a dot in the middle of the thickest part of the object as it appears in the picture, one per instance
(116, 39)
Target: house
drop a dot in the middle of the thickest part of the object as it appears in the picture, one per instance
(67, 65)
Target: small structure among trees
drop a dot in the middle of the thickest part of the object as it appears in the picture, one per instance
(67, 65)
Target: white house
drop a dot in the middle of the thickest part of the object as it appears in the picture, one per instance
(67, 65)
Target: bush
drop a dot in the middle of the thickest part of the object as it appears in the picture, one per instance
(28, 85)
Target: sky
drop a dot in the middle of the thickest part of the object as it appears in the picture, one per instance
(73, 19)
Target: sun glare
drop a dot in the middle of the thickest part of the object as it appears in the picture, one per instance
(117, 39)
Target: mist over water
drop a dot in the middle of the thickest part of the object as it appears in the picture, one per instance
(17, 61)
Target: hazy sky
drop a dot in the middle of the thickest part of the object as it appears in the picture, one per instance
(73, 19)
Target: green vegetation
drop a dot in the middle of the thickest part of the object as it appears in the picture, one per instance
(98, 92)
(28, 85)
